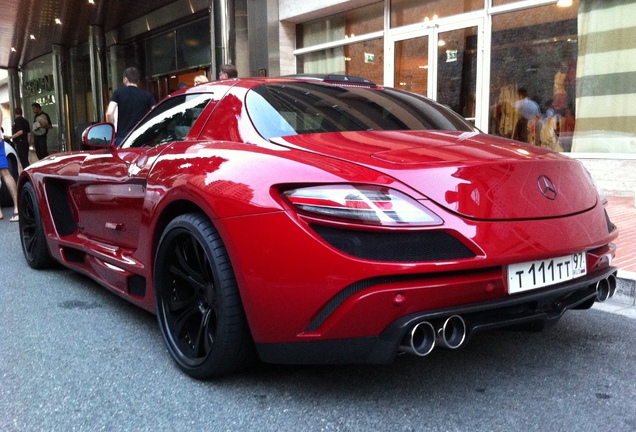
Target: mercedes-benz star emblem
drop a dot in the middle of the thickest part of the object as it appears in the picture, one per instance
(547, 188)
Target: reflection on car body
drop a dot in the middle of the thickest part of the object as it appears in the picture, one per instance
(306, 222)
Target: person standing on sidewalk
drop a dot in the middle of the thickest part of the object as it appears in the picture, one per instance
(7, 178)
(228, 71)
(41, 126)
(128, 104)
(20, 137)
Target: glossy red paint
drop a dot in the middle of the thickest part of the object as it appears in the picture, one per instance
(104, 212)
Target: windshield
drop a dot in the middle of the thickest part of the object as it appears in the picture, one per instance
(302, 108)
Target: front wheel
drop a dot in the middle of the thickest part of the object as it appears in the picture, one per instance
(32, 235)
(199, 308)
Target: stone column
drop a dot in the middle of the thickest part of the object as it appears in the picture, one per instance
(60, 83)
(97, 52)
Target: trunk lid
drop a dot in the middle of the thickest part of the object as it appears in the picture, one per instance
(476, 175)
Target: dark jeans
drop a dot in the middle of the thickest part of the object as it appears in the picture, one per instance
(22, 148)
(521, 130)
(40, 146)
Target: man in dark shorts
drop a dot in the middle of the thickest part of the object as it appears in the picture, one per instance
(128, 104)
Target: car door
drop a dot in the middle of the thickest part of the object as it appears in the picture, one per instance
(111, 189)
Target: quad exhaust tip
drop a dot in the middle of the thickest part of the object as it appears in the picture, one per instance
(605, 288)
(423, 337)
(420, 340)
(452, 333)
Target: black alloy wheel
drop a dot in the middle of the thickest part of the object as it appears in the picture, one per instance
(199, 308)
(32, 234)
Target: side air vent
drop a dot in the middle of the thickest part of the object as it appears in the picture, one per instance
(56, 193)
(137, 286)
(395, 246)
(73, 255)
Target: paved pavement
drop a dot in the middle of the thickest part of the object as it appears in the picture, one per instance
(622, 212)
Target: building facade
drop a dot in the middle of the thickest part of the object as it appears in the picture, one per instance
(571, 59)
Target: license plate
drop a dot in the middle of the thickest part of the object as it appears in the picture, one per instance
(537, 274)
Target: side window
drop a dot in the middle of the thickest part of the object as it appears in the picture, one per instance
(170, 121)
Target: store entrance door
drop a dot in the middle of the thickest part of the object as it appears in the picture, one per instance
(443, 61)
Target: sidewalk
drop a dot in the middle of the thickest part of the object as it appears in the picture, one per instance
(622, 212)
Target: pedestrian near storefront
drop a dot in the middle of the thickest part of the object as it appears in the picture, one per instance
(128, 104)
(8, 180)
(20, 137)
(41, 126)
(228, 71)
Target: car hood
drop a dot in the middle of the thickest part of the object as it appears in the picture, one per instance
(476, 175)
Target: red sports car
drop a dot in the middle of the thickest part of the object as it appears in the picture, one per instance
(319, 221)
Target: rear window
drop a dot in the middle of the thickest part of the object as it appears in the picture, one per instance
(302, 108)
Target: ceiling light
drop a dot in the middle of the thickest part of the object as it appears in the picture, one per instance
(12, 49)
(564, 3)
(57, 21)
(91, 1)
(32, 37)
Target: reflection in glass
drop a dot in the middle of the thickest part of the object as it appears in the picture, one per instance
(534, 55)
(305, 108)
(457, 70)
(364, 59)
(411, 65)
(405, 12)
(356, 22)
(100, 135)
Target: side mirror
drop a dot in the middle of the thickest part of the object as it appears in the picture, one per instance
(99, 135)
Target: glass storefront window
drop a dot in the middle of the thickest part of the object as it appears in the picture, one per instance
(160, 52)
(457, 70)
(411, 65)
(405, 12)
(329, 61)
(533, 75)
(38, 87)
(193, 45)
(503, 2)
(355, 22)
(363, 59)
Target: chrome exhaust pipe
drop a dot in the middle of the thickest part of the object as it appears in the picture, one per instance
(420, 340)
(452, 333)
(603, 290)
(613, 283)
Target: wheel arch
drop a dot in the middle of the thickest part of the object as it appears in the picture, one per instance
(183, 206)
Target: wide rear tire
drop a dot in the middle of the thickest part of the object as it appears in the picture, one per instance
(199, 308)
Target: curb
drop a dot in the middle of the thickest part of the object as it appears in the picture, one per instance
(625, 289)
(624, 300)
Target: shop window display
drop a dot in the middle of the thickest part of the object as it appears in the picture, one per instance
(535, 51)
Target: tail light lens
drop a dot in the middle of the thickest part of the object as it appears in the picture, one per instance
(362, 204)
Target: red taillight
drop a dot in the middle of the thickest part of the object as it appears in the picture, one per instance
(362, 204)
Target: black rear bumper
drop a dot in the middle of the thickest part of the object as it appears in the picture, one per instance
(542, 306)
